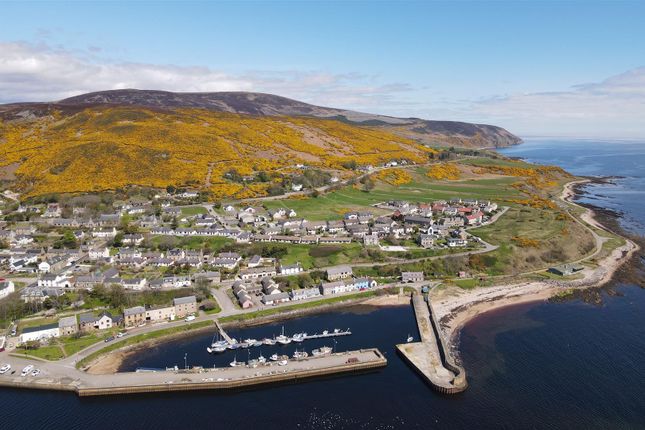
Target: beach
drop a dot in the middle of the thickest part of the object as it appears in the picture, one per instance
(455, 307)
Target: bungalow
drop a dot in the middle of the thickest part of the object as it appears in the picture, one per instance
(244, 299)
(184, 306)
(132, 239)
(136, 284)
(54, 281)
(455, 242)
(275, 298)
(67, 326)
(134, 316)
(104, 232)
(339, 272)
(364, 283)
(290, 269)
(39, 333)
(257, 272)
(305, 293)
(412, 277)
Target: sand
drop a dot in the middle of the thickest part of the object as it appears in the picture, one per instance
(455, 307)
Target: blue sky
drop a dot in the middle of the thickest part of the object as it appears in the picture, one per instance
(572, 68)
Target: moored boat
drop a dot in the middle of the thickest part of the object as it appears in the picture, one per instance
(325, 350)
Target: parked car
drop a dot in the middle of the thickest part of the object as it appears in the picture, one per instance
(27, 370)
(190, 318)
(35, 372)
(5, 368)
(109, 339)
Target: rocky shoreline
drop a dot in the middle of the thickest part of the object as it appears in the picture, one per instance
(456, 308)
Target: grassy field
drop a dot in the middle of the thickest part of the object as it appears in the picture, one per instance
(312, 256)
(421, 189)
(193, 210)
(194, 243)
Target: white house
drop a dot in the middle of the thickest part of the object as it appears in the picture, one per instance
(99, 253)
(6, 288)
(290, 269)
(44, 267)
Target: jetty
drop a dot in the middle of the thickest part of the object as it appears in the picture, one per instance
(430, 357)
(224, 335)
(58, 377)
(324, 335)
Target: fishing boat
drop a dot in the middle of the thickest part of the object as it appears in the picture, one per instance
(299, 355)
(409, 339)
(274, 357)
(325, 350)
(258, 343)
(282, 339)
(268, 341)
(262, 359)
(325, 332)
(282, 363)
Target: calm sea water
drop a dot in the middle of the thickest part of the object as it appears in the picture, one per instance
(549, 366)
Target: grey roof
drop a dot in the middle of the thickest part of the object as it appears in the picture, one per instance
(40, 328)
(67, 322)
(87, 318)
(339, 269)
(184, 300)
(135, 310)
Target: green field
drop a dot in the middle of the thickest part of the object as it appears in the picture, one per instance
(312, 256)
(421, 189)
(193, 210)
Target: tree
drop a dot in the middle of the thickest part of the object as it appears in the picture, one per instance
(208, 305)
(116, 296)
(174, 224)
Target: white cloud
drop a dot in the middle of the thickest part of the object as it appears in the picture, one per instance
(613, 108)
(41, 73)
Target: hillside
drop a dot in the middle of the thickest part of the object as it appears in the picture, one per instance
(110, 139)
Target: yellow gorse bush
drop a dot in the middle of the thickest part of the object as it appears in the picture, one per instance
(101, 148)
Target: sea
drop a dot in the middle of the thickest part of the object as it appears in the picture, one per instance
(565, 365)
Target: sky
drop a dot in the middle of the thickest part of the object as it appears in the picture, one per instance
(537, 68)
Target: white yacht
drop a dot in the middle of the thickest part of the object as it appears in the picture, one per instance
(282, 339)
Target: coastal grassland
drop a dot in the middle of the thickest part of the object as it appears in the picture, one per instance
(50, 352)
(333, 205)
(300, 306)
(139, 338)
(532, 239)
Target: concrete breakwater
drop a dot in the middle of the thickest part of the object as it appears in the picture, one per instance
(56, 377)
(430, 357)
